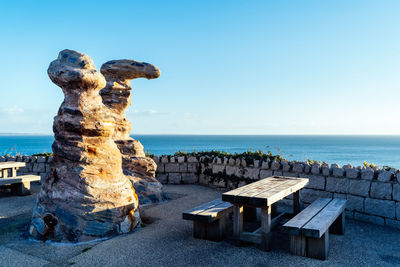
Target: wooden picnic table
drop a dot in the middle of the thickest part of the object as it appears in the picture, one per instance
(13, 166)
(262, 194)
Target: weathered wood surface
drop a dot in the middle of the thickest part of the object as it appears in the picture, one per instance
(230, 196)
(266, 228)
(277, 193)
(310, 229)
(265, 192)
(199, 230)
(208, 212)
(297, 203)
(318, 248)
(321, 222)
(214, 231)
(247, 196)
(19, 179)
(295, 224)
(237, 222)
(298, 245)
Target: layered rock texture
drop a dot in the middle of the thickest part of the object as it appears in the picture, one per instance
(117, 96)
(86, 195)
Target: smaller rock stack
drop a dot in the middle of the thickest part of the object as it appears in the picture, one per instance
(117, 96)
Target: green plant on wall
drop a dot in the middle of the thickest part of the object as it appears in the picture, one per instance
(368, 165)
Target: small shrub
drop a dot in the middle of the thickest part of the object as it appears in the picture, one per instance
(368, 165)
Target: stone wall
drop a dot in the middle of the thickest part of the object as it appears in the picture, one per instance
(373, 194)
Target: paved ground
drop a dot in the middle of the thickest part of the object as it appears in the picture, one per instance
(168, 241)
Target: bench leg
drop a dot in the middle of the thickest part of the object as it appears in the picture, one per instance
(199, 230)
(14, 172)
(4, 173)
(22, 189)
(338, 225)
(237, 223)
(249, 214)
(318, 247)
(298, 245)
(266, 228)
(216, 230)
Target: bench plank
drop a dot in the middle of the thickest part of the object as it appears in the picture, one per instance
(214, 213)
(321, 222)
(19, 179)
(294, 226)
(208, 212)
(201, 208)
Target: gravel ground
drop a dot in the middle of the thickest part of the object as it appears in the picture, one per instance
(167, 241)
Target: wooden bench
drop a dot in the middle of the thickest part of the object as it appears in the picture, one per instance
(309, 230)
(209, 219)
(21, 185)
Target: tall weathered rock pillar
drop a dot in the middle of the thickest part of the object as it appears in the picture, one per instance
(86, 196)
(117, 96)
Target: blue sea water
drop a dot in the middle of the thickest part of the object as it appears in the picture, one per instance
(380, 150)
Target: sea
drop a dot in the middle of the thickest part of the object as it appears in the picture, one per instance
(341, 149)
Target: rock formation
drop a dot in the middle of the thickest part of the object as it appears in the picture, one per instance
(117, 96)
(86, 195)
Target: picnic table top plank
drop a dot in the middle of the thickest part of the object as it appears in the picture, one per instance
(278, 193)
(242, 189)
(296, 223)
(248, 198)
(266, 191)
(11, 164)
(320, 223)
(271, 183)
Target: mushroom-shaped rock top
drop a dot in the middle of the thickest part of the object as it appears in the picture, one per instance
(75, 70)
(124, 70)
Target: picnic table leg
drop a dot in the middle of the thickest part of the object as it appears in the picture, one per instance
(297, 204)
(14, 172)
(266, 228)
(5, 173)
(237, 223)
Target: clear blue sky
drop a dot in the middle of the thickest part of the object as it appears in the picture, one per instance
(228, 67)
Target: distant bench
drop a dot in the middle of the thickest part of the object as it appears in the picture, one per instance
(309, 230)
(20, 184)
(209, 219)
